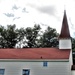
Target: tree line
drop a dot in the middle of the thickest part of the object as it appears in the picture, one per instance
(30, 37)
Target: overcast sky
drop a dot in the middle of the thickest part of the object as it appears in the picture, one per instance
(26, 13)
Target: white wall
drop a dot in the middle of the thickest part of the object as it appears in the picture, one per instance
(71, 63)
(73, 72)
(65, 44)
(71, 59)
(36, 68)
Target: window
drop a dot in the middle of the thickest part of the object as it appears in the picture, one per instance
(26, 72)
(45, 63)
(2, 71)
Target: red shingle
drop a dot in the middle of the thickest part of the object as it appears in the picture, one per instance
(34, 53)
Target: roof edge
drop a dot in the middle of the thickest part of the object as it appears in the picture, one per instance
(64, 38)
(34, 60)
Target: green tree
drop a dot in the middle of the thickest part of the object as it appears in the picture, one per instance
(31, 36)
(49, 38)
(73, 50)
(10, 36)
(73, 44)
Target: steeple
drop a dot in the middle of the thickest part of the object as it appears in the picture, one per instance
(65, 28)
(64, 37)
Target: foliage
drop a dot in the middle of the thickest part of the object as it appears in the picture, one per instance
(9, 36)
(49, 38)
(29, 37)
(73, 44)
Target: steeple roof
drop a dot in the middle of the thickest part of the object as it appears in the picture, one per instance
(65, 28)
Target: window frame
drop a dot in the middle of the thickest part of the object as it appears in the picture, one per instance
(26, 70)
(45, 63)
(3, 71)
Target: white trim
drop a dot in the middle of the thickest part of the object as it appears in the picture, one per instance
(36, 60)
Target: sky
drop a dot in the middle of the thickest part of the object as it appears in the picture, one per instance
(26, 13)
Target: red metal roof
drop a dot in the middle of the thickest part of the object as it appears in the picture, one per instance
(34, 53)
(65, 29)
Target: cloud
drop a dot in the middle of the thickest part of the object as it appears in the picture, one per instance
(47, 9)
(15, 7)
(24, 10)
(9, 14)
(16, 18)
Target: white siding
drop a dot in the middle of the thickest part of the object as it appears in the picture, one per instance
(36, 68)
(73, 72)
(65, 44)
(71, 59)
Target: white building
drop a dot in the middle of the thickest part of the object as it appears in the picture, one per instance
(40, 61)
